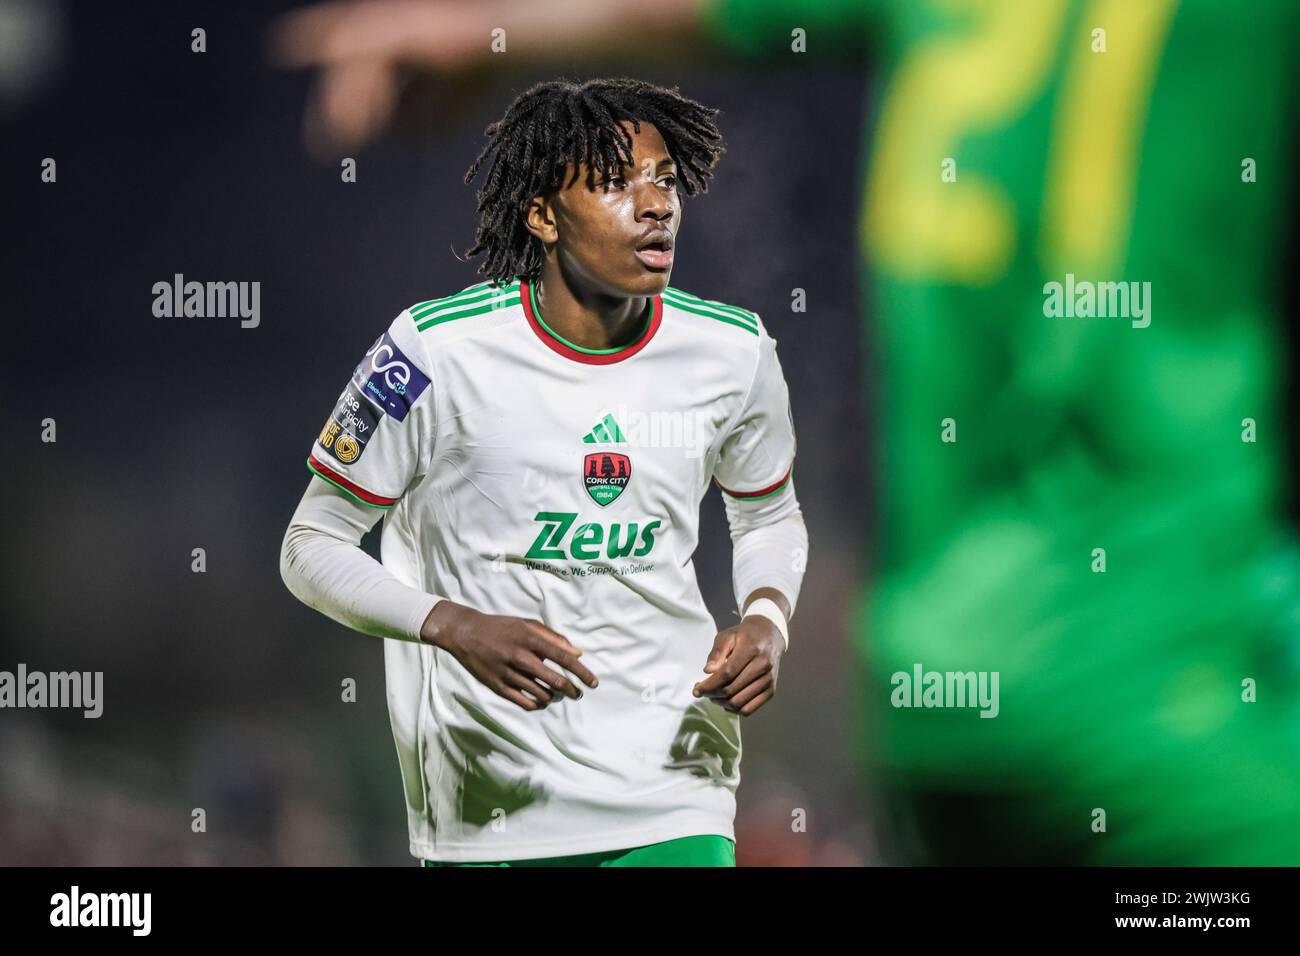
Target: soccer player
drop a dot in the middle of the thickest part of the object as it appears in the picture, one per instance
(540, 443)
(1014, 144)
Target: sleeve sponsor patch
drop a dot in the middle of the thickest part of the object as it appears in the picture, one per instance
(385, 382)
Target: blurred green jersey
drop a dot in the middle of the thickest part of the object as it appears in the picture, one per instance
(1074, 221)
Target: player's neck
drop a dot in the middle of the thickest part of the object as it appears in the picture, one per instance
(589, 320)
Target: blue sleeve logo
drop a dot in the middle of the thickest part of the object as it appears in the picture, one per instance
(384, 382)
(389, 379)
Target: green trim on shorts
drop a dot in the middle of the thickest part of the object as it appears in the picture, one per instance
(704, 850)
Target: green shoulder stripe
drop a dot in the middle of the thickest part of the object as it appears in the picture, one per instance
(420, 307)
(719, 311)
(476, 300)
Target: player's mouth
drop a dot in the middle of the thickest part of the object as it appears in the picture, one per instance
(655, 250)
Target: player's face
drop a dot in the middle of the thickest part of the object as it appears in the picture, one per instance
(619, 238)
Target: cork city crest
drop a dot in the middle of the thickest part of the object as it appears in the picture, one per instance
(605, 474)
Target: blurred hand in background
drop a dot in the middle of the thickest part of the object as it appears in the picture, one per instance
(364, 51)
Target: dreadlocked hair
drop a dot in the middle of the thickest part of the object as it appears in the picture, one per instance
(561, 122)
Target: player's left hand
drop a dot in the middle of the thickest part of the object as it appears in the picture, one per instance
(743, 666)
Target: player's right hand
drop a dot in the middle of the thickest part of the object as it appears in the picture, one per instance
(507, 654)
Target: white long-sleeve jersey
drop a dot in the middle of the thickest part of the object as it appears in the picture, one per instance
(522, 475)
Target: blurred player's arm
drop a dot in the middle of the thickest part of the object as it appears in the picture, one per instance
(364, 50)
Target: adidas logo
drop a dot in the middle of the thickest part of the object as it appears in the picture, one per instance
(605, 431)
(690, 429)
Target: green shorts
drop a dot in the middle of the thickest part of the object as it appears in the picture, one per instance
(707, 850)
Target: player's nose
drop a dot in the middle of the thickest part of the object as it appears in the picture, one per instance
(652, 204)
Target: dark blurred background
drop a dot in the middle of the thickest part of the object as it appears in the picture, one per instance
(221, 691)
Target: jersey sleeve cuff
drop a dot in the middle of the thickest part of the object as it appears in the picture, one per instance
(322, 470)
(761, 492)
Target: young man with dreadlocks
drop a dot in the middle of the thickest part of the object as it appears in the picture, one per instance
(541, 443)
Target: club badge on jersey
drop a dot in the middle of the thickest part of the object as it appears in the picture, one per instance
(606, 474)
(385, 382)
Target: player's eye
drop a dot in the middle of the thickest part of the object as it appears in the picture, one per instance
(670, 181)
(618, 182)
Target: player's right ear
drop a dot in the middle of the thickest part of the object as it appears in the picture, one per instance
(539, 219)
